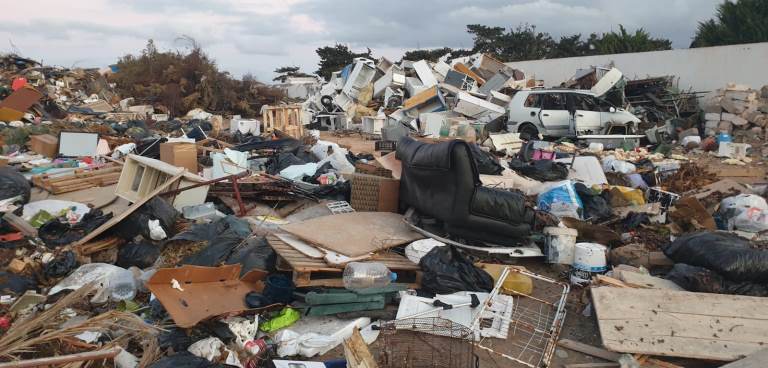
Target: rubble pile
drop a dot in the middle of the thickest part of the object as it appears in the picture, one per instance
(403, 216)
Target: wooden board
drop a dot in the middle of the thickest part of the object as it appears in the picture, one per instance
(755, 360)
(355, 234)
(315, 272)
(641, 280)
(300, 245)
(680, 323)
(589, 350)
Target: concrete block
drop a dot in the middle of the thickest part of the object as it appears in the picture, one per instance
(712, 116)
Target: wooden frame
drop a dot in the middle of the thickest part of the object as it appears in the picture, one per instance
(286, 118)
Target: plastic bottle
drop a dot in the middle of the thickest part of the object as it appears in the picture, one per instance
(365, 275)
(122, 285)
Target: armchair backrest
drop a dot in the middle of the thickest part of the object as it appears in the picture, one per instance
(438, 179)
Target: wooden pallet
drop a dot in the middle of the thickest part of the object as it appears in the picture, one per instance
(79, 179)
(315, 272)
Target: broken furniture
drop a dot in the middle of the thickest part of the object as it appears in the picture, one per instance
(285, 118)
(374, 193)
(142, 175)
(442, 181)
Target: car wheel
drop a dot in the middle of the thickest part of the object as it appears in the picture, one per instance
(528, 132)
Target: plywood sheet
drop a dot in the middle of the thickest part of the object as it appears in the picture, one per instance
(680, 323)
(355, 234)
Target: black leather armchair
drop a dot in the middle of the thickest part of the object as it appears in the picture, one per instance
(442, 181)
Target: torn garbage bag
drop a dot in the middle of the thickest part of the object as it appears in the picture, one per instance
(13, 184)
(727, 254)
(61, 265)
(140, 221)
(595, 206)
(222, 237)
(702, 280)
(55, 233)
(446, 270)
(541, 170)
(561, 200)
(139, 254)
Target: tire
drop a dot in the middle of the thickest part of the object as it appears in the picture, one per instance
(528, 131)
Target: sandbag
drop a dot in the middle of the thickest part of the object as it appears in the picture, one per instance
(446, 271)
(13, 184)
(541, 170)
(139, 254)
(702, 280)
(726, 254)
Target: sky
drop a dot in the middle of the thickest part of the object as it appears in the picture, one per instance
(257, 36)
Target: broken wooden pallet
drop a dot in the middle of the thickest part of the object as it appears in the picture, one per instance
(78, 179)
(316, 272)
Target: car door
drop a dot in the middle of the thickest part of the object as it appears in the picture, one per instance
(586, 114)
(554, 115)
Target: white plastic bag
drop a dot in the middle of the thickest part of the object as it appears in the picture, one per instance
(752, 220)
(111, 281)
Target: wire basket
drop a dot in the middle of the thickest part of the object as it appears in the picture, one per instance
(534, 326)
(426, 343)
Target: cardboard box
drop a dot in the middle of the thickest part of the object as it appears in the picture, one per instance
(45, 144)
(180, 154)
(191, 294)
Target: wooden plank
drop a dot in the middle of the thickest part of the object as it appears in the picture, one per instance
(589, 350)
(754, 360)
(301, 246)
(115, 220)
(63, 359)
(357, 353)
(679, 323)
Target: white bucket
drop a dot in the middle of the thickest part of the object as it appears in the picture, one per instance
(588, 259)
(560, 243)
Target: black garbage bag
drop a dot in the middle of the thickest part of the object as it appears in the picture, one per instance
(595, 206)
(222, 237)
(541, 170)
(486, 163)
(220, 205)
(702, 280)
(724, 253)
(15, 284)
(315, 179)
(282, 161)
(55, 233)
(446, 270)
(13, 184)
(138, 222)
(185, 359)
(139, 254)
(634, 220)
(61, 266)
(150, 147)
(255, 253)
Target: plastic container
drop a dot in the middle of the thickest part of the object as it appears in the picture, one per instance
(515, 284)
(366, 275)
(560, 243)
(723, 137)
(589, 259)
(122, 285)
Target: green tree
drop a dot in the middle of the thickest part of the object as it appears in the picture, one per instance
(520, 43)
(570, 46)
(284, 72)
(434, 55)
(743, 21)
(334, 58)
(623, 42)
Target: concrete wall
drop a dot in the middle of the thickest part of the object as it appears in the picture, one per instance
(703, 69)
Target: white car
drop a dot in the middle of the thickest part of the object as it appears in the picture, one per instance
(566, 113)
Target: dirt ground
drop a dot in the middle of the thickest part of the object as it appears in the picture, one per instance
(580, 324)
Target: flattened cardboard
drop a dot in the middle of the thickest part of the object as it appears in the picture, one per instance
(355, 234)
(14, 106)
(44, 144)
(207, 291)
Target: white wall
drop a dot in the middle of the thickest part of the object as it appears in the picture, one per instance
(703, 69)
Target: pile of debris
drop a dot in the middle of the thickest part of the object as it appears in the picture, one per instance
(735, 107)
(434, 238)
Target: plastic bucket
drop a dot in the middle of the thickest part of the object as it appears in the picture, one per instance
(589, 259)
(560, 243)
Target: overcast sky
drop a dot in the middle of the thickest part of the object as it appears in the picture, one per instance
(257, 36)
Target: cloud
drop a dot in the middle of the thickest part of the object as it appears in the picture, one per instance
(258, 36)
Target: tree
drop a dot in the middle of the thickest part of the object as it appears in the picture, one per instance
(520, 43)
(624, 42)
(284, 72)
(335, 58)
(743, 21)
(570, 46)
